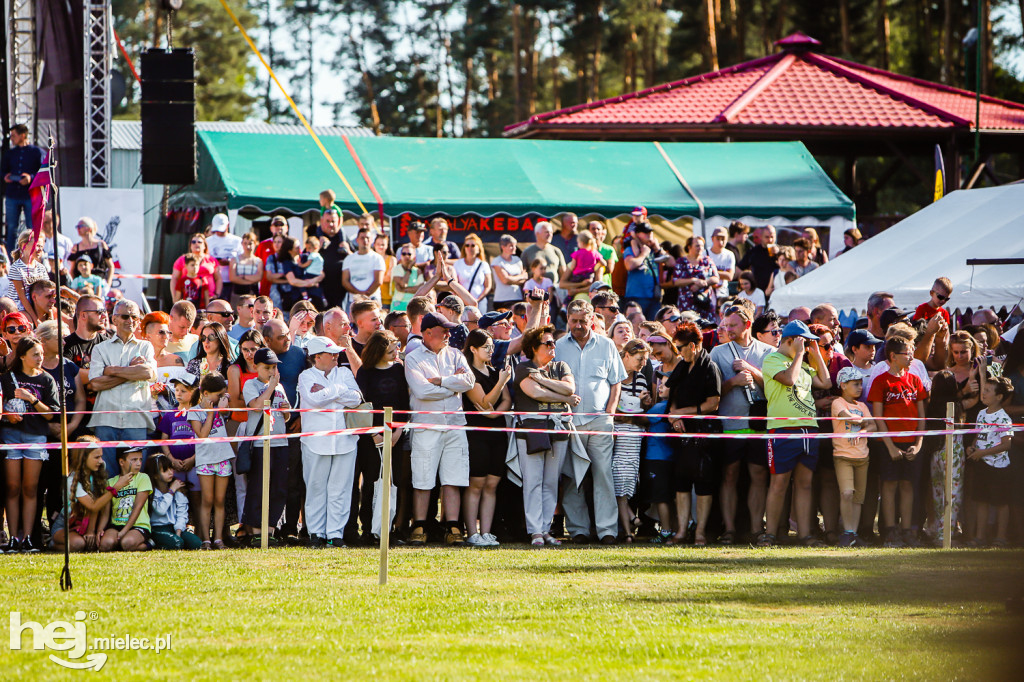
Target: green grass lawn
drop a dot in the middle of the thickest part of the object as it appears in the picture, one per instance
(618, 613)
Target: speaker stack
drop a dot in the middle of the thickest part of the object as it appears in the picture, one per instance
(169, 117)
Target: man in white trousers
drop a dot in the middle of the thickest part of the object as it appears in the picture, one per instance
(328, 462)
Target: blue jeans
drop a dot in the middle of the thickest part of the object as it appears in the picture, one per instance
(14, 208)
(108, 433)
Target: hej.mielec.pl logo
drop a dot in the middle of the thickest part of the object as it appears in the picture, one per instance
(72, 638)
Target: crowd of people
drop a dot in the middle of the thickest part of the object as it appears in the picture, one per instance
(576, 390)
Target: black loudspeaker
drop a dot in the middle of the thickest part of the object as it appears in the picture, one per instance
(169, 117)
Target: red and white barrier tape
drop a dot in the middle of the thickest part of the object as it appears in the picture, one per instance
(125, 275)
(76, 445)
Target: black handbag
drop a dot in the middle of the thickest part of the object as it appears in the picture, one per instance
(243, 457)
(536, 442)
(759, 408)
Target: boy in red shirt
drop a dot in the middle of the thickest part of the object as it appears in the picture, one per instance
(942, 289)
(897, 400)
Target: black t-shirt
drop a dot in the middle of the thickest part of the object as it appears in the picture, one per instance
(333, 256)
(385, 388)
(43, 387)
(70, 381)
(689, 385)
(760, 262)
(79, 350)
(487, 382)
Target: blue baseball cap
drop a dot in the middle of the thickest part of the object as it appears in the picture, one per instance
(858, 337)
(798, 328)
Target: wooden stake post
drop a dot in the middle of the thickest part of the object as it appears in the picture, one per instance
(265, 507)
(947, 513)
(385, 494)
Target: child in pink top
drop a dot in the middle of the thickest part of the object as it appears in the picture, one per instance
(851, 454)
(586, 260)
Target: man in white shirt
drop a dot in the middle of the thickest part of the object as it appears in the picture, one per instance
(120, 372)
(225, 248)
(438, 375)
(723, 258)
(599, 372)
(423, 252)
(362, 272)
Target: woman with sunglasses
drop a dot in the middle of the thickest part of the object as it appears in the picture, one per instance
(766, 328)
(154, 328)
(541, 385)
(406, 278)
(246, 271)
(473, 272)
(240, 371)
(96, 249)
(209, 268)
(26, 268)
(14, 328)
(213, 353)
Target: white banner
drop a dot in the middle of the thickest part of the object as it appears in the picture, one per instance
(119, 215)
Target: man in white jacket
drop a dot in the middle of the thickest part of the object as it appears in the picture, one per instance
(328, 462)
(438, 375)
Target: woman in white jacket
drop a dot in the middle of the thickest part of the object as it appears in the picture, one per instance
(328, 462)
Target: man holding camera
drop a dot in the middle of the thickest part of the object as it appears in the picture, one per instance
(642, 258)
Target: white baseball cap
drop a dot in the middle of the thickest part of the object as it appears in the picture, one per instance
(220, 223)
(322, 344)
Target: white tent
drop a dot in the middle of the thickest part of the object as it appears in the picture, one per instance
(936, 241)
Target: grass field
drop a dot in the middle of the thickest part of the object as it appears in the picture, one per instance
(618, 613)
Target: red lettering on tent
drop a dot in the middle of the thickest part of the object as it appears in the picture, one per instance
(485, 225)
(513, 224)
(471, 223)
(499, 223)
(527, 224)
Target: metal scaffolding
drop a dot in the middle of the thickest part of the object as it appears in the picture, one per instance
(97, 92)
(24, 73)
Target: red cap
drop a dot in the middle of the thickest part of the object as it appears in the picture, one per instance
(16, 317)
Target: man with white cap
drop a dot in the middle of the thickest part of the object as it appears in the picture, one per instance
(438, 375)
(225, 247)
(328, 462)
(723, 258)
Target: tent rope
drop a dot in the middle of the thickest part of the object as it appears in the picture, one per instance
(291, 102)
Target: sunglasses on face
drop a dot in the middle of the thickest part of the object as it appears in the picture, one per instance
(98, 312)
(209, 339)
(549, 344)
(774, 332)
(941, 297)
(133, 318)
(197, 241)
(20, 329)
(217, 312)
(162, 332)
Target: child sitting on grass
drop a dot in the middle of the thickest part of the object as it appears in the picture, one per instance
(851, 454)
(169, 507)
(991, 450)
(89, 499)
(129, 527)
(941, 290)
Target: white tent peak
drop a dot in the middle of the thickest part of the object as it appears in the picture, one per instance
(935, 242)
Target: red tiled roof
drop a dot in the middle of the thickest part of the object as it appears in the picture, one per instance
(797, 87)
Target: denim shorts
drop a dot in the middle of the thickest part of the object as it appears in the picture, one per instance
(11, 436)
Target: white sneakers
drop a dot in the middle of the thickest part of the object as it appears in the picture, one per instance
(482, 540)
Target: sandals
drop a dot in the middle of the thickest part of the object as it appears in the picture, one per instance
(537, 541)
(218, 544)
(550, 540)
(727, 538)
(205, 545)
(699, 541)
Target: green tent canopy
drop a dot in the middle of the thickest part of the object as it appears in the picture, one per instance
(266, 173)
